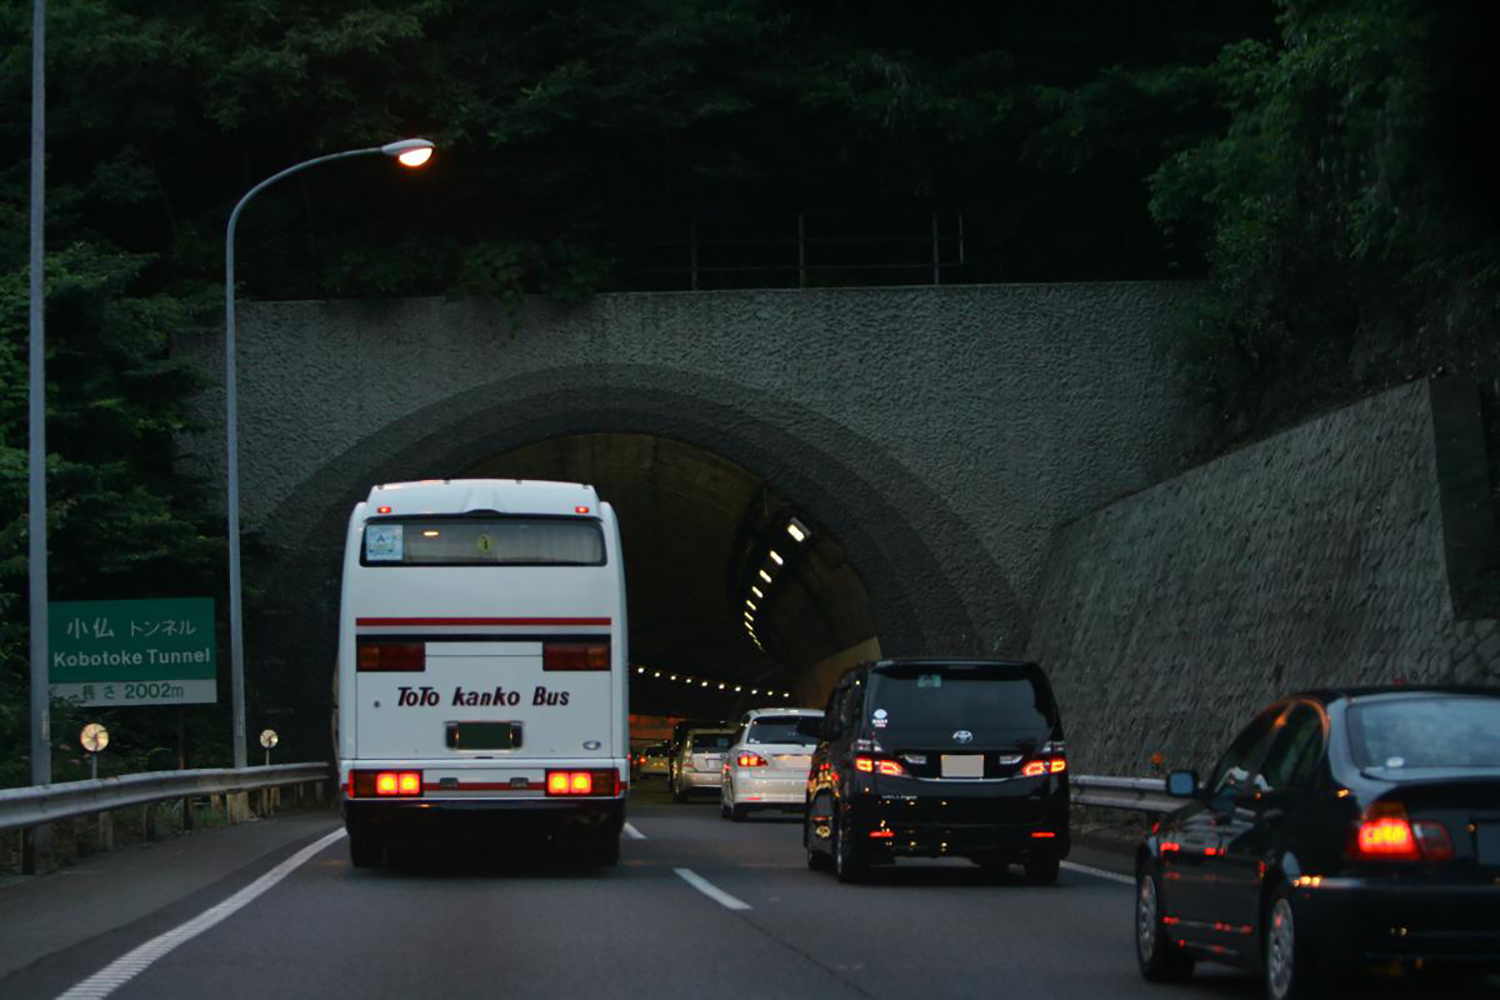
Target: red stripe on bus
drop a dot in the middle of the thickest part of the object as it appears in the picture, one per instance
(481, 621)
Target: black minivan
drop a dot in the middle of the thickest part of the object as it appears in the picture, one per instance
(939, 758)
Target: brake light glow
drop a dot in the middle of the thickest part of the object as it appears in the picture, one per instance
(1037, 768)
(575, 656)
(748, 759)
(1386, 834)
(382, 509)
(882, 834)
(1042, 834)
(582, 783)
(874, 765)
(385, 784)
(390, 656)
(580, 510)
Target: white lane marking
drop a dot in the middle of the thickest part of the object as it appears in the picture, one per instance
(633, 833)
(1099, 873)
(710, 890)
(127, 967)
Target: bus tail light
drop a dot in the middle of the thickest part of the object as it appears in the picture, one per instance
(410, 657)
(385, 784)
(583, 783)
(575, 656)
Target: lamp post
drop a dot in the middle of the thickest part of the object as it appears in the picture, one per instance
(408, 152)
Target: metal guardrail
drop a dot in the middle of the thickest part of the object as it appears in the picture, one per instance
(38, 804)
(1141, 794)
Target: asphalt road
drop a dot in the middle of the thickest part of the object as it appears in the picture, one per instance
(760, 925)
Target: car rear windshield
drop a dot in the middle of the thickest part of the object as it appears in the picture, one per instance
(484, 541)
(929, 696)
(1446, 731)
(780, 729)
(711, 741)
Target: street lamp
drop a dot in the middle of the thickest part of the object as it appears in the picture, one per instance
(409, 153)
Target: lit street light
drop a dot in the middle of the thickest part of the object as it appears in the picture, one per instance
(408, 152)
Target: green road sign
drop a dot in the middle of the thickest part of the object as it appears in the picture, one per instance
(156, 652)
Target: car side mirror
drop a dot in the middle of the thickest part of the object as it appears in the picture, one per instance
(1182, 784)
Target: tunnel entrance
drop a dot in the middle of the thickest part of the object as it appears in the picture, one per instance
(736, 593)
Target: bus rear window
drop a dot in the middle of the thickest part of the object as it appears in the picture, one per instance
(488, 541)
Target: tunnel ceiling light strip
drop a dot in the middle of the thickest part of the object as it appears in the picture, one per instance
(776, 558)
(757, 592)
(656, 673)
(750, 604)
(797, 530)
(765, 576)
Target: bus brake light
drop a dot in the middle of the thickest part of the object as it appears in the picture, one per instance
(575, 656)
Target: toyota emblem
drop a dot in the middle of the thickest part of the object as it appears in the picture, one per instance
(963, 736)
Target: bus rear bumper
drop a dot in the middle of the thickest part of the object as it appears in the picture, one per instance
(485, 823)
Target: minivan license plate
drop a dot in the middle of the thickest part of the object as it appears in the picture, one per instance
(963, 765)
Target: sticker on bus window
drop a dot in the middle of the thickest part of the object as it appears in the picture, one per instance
(383, 542)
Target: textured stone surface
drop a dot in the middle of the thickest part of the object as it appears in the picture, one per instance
(940, 433)
(1311, 559)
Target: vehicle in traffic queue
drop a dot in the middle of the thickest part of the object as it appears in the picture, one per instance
(1341, 828)
(699, 765)
(768, 759)
(680, 729)
(654, 760)
(481, 692)
(939, 758)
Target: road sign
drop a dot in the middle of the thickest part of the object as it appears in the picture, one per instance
(268, 738)
(94, 737)
(151, 652)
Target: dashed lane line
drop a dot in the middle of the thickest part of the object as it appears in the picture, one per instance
(1099, 873)
(710, 890)
(122, 970)
(633, 833)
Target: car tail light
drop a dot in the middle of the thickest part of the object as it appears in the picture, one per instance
(748, 759)
(385, 784)
(1037, 768)
(1386, 834)
(875, 765)
(1043, 834)
(390, 656)
(882, 834)
(582, 783)
(575, 656)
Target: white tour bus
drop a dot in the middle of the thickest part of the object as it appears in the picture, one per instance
(482, 669)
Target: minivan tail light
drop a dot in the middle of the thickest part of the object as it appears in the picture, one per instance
(748, 759)
(875, 765)
(1037, 768)
(410, 657)
(575, 656)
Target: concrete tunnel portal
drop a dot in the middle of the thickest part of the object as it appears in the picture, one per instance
(718, 624)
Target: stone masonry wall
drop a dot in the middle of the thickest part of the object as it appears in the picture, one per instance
(1326, 555)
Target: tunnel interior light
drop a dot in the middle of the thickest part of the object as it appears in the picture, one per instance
(672, 678)
(765, 576)
(776, 558)
(750, 604)
(738, 689)
(721, 687)
(656, 673)
(754, 691)
(797, 530)
(757, 592)
(430, 533)
(640, 670)
(705, 683)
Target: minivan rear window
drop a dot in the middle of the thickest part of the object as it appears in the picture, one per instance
(1447, 731)
(929, 696)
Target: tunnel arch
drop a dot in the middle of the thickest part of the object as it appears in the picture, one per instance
(932, 586)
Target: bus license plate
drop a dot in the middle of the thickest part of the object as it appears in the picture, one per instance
(483, 735)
